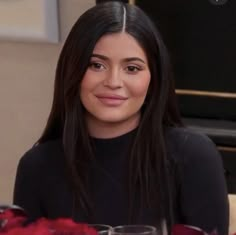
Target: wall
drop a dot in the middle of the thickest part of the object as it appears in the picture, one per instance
(26, 87)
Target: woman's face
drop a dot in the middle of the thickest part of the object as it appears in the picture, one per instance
(115, 84)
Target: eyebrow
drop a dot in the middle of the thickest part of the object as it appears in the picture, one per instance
(129, 59)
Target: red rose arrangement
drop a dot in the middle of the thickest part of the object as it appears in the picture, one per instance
(13, 221)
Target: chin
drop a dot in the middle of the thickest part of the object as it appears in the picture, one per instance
(116, 118)
(111, 119)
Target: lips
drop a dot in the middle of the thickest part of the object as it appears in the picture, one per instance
(111, 99)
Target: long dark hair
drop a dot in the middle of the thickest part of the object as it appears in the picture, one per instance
(148, 175)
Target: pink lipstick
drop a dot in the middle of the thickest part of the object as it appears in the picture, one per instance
(111, 99)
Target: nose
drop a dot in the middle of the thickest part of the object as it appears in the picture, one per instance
(113, 79)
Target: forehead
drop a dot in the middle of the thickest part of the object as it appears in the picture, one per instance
(119, 44)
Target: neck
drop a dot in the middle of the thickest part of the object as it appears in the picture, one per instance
(105, 130)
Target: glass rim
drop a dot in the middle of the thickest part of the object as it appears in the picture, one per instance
(105, 226)
(149, 227)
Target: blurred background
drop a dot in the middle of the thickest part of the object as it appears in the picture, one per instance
(26, 86)
(200, 36)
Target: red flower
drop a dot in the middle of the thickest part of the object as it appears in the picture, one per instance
(9, 220)
(65, 227)
(28, 230)
(181, 229)
(11, 223)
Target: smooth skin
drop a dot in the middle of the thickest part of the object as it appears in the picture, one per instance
(115, 85)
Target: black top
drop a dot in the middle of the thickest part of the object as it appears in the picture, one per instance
(41, 186)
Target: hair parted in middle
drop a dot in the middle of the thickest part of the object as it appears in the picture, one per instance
(148, 158)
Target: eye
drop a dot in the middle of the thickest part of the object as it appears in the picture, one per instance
(96, 66)
(133, 69)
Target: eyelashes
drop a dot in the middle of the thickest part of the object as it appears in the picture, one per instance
(131, 69)
(96, 66)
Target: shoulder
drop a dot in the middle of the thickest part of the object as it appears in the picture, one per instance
(184, 144)
(39, 170)
(181, 135)
(198, 179)
(42, 155)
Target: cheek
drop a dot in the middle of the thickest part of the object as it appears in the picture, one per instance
(140, 87)
(85, 88)
(86, 82)
(89, 82)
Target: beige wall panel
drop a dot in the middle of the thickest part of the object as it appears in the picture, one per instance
(26, 86)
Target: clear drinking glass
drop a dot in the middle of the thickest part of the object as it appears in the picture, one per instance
(134, 230)
(102, 229)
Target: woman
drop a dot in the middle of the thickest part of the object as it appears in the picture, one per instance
(114, 150)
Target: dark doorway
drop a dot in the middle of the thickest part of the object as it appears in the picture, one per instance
(201, 39)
